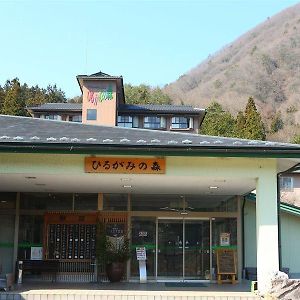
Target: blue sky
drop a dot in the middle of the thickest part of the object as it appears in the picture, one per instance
(152, 42)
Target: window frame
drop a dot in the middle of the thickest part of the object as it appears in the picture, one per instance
(132, 121)
(90, 110)
(160, 122)
(179, 123)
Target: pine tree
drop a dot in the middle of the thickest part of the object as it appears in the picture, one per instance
(276, 123)
(239, 125)
(254, 128)
(14, 100)
(2, 95)
(217, 122)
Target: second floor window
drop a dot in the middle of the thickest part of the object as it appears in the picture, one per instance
(181, 123)
(128, 121)
(76, 118)
(52, 117)
(91, 114)
(154, 122)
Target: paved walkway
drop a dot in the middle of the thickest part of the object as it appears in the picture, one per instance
(129, 291)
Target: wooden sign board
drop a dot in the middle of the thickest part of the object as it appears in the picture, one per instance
(125, 165)
(226, 261)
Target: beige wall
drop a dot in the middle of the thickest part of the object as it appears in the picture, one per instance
(106, 109)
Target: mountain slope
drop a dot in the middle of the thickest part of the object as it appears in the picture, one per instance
(263, 63)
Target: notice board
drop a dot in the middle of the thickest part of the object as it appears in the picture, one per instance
(226, 261)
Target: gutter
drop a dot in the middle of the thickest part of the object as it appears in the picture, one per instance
(27, 147)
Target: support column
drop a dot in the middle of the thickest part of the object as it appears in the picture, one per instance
(239, 238)
(16, 233)
(267, 228)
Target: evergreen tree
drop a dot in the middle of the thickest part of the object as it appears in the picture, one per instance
(254, 128)
(2, 95)
(276, 123)
(217, 122)
(296, 139)
(14, 100)
(239, 125)
(55, 95)
(144, 94)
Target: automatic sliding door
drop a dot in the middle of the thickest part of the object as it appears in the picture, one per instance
(170, 249)
(197, 249)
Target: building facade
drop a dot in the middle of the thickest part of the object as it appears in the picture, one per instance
(179, 195)
(104, 104)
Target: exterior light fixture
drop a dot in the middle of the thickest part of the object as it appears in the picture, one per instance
(30, 177)
(213, 187)
(125, 179)
(127, 186)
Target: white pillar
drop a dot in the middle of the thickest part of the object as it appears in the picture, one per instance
(267, 228)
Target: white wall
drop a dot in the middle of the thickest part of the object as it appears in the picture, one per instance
(290, 240)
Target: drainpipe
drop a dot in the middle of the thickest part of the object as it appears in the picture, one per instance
(243, 237)
(279, 221)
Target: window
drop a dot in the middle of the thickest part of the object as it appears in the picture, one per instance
(286, 183)
(76, 118)
(125, 121)
(181, 123)
(52, 117)
(91, 114)
(154, 122)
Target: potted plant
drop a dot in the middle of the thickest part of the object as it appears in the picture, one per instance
(117, 254)
(112, 253)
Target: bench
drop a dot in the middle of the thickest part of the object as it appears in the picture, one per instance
(41, 267)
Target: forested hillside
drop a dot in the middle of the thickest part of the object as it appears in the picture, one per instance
(264, 64)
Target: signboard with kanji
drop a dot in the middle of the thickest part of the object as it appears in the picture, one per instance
(125, 165)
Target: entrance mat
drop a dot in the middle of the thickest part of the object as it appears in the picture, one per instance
(185, 284)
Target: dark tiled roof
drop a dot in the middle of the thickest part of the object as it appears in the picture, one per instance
(157, 108)
(97, 75)
(22, 131)
(57, 107)
(100, 74)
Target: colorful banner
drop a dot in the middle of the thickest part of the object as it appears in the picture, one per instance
(100, 96)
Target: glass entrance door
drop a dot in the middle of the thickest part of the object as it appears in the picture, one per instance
(183, 249)
(170, 249)
(197, 249)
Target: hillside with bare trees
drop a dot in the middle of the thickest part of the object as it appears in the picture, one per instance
(264, 63)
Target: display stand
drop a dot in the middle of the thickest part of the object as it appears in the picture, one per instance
(141, 257)
(226, 263)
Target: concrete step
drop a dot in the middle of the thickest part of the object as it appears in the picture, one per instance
(66, 294)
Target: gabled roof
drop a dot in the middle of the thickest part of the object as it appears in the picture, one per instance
(103, 76)
(157, 108)
(31, 134)
(57, 107)
(100, 74)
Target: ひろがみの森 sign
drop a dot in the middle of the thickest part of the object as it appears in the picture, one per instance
(125, 165)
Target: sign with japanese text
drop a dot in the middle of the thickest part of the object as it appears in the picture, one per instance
(140, 253)
(125, 165)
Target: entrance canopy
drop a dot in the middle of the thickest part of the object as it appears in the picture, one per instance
(51, 158)
(44, 156)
